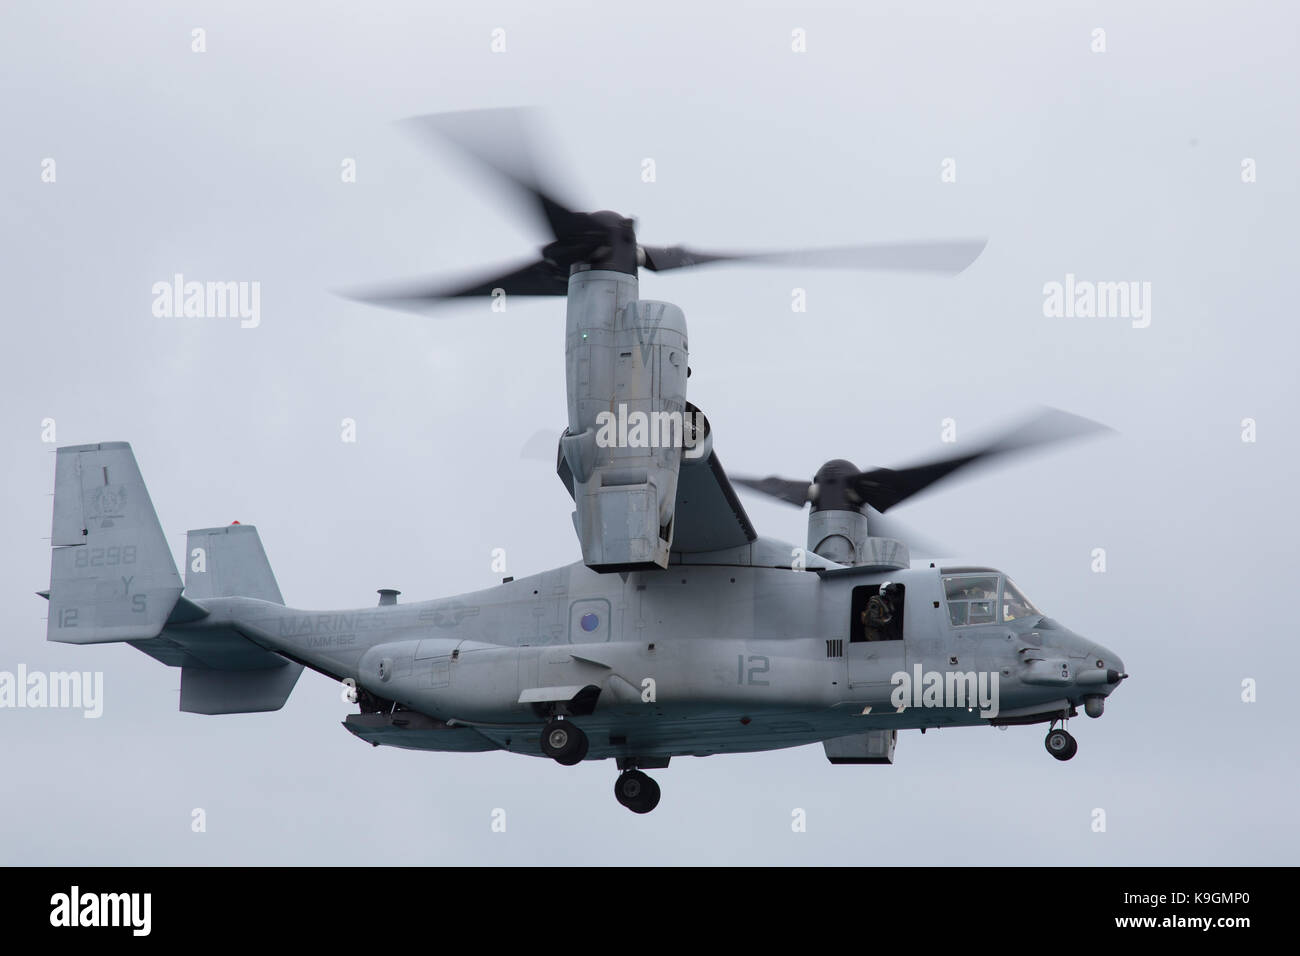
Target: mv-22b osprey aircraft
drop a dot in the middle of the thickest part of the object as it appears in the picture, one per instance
(681, 632)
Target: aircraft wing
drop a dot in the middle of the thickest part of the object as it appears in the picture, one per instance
(708, 514)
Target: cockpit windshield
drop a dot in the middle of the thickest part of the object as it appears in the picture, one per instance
(1014, 603)
(984, 597)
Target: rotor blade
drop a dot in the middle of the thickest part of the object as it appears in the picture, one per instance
(502, 141)
(880, 526)
(535, 278)
(882, 488)
(540, 446)
(948, 258)
(791, 492)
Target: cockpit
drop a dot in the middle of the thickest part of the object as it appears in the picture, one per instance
(983, 596)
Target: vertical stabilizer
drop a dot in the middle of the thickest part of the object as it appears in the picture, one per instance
(112, 577)
(228, 562)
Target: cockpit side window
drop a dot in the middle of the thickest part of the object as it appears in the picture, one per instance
(985, 598)
(971, 598)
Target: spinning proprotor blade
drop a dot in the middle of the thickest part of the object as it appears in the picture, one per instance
(839, 485)
(499, 141)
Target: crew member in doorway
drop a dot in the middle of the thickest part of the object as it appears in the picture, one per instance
(879, 612)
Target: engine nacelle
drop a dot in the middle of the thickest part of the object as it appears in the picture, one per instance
(626, 363)
(842, 536)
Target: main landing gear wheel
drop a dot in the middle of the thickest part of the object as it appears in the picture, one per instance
(636, 791)
(564, 742)
(1060, 744)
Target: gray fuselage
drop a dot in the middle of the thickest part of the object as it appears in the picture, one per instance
(693, 659)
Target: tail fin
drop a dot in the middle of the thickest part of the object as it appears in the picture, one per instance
(112, 577)
(228, 562)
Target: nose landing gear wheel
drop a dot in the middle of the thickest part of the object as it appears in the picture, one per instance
(1060, 744)
(636, 791)
(564, 742)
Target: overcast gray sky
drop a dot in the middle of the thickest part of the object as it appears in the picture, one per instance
(226, 165)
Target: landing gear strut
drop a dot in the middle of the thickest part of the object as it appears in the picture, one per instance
(564, 742)
(1060, 744)
(636, 791)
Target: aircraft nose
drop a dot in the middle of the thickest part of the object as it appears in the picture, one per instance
(1111, 663)
(1099, 680)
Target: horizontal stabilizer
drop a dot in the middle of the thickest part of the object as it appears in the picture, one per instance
(186, 612)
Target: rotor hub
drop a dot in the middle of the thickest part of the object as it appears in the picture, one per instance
(831, 490)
